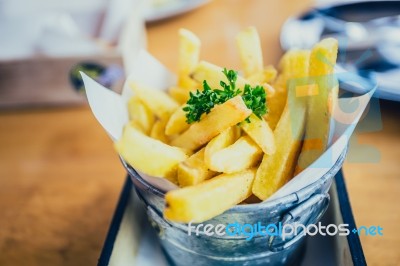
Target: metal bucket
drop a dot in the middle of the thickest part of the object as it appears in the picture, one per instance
(306, 206)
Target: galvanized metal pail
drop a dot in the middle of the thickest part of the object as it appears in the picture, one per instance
(306, 206)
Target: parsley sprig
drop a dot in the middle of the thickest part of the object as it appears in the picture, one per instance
(201, 102)
(255, 99)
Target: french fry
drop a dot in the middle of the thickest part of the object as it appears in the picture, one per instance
(276, 103)
(140, 114)
(259, 130)
(208, 199)
(156, 100)
(275, 170)
(268, 75)
(269, 90)
(277, 100)
(292, 68)
(189, 52)
(241, 155)
(220, 118)
(250, 51)
(187, 84)
(213, 75)
(193, 170)
(295, 61)
(223, 140)
(180, 95)
(158, 131)
(322, 103)
(177, 122)
(149, 155)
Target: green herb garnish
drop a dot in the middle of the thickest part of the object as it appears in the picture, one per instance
(255, 99)
(201, 102)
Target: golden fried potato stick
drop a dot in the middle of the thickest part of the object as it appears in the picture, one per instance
(208, 199)
(223, 140)
(180, 95)
(177, 122)
(193, 170)
(323, 99)
(149, 155)
(259, 130)
(213, 75)
(220, 118)
(158, 131)
(159, 102)
(189, 53)
(290, 69)
(268, 75)
(276, 103)
(140, 115)
(250, 51)
(276, 169)
(239, 156)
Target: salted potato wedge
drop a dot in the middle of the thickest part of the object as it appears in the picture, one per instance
(223, 140)
(323, 100)
(241, 155)
(140, 114)
(276, 169)
(177, 122)
(157, 101)
(193, 170)
(259, 130)
(149, 155)
(220, 118)
(208, 199)
(213, 75)
(250, 51)
(189, 53)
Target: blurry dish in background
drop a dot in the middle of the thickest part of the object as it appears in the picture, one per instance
(110, 76)
(61, 28)
(161, 9)
(369, 40)
(46, 38)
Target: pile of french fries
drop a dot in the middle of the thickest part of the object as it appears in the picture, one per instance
(222, 160)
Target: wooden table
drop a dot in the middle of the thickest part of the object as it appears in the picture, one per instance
(60, 177)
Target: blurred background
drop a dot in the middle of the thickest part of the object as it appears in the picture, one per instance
(59, 175)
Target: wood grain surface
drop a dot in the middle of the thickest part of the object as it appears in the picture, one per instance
(60, 177)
